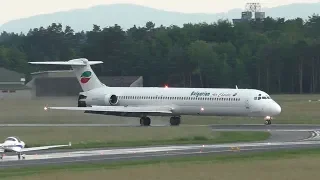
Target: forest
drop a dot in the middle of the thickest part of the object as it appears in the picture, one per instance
(274, 55)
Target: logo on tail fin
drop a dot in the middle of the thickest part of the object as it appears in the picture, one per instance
(85, 77)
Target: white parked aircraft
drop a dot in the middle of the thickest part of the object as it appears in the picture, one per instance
(154, 101)
(14, 144)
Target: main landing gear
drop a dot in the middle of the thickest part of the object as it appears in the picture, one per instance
(268, 120)
(174, 121)
(145, 121)
(21, 155)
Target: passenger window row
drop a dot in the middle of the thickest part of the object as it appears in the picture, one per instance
(179, 98)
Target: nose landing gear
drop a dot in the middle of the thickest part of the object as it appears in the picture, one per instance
(267, 120)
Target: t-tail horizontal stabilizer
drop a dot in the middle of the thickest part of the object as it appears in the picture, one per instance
(82, 69)
(79, 62)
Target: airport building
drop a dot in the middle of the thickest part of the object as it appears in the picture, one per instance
(12, 84)
(247, 15)
(64, 83)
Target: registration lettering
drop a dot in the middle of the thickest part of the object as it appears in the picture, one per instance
(197, 94)
(205, 94)
(224, 95)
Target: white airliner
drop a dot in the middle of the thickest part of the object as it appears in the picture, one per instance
(14, 144)
(154, 101)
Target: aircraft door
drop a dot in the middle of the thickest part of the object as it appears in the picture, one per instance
(247, 104)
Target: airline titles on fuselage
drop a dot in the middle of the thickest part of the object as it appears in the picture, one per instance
(206, 94)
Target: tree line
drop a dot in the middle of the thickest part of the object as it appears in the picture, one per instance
(274, 55)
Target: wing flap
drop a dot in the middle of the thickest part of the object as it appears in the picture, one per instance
(128, 109)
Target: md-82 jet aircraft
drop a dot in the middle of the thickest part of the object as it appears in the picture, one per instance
(14, 144)
(154, 101)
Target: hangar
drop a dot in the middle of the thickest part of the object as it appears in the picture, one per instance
(12, 85)
(64, 83)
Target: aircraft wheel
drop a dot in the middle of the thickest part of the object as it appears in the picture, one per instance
(175, 121)
(267, 122)
(145, 121)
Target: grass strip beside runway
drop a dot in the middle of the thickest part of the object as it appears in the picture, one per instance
(96, 137)
(221, 137)
(289, 164)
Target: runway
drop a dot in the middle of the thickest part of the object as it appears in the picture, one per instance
(231, 127)
(74, 125)
(282, 137)
(261, 127)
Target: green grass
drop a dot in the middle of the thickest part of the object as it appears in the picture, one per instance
(95, 137)
(296, 109)
(223, 137)
(251, 158)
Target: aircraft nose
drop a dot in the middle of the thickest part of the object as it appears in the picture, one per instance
(272, 109)
(276, 109)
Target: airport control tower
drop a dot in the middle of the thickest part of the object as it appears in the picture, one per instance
(247, 15)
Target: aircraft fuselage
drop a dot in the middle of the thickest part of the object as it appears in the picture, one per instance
(187, 101)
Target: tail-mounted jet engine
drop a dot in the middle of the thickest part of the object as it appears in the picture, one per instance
(82, 101)
(111, 100)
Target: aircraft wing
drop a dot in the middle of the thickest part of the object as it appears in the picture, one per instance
(128, 109)
(43, 148)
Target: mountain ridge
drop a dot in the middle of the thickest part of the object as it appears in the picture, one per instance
(128, 15)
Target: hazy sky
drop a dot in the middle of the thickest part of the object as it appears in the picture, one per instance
(15, 9)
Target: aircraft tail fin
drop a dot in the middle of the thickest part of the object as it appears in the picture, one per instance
(83, 71)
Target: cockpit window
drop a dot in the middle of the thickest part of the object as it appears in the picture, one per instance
(17, 139)
(259, 97)
(10, 139)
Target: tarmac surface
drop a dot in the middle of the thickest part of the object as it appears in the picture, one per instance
(282, 137)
